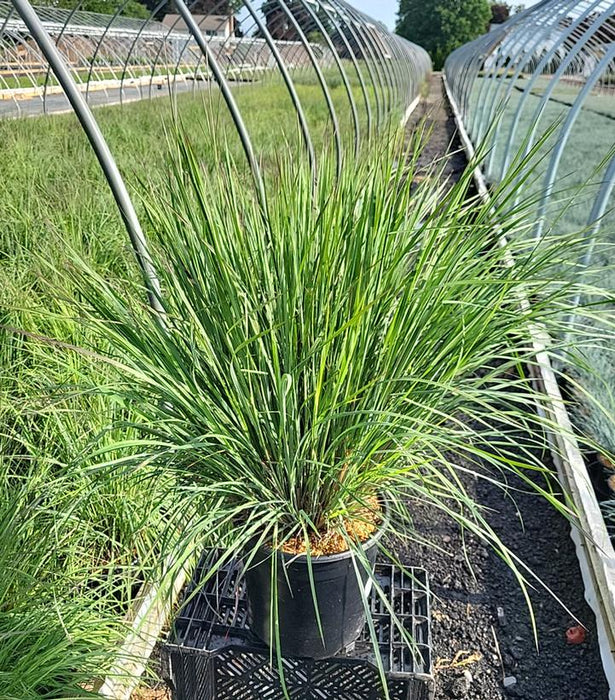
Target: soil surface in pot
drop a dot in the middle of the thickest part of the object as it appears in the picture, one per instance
(483, 643)
(359, 529)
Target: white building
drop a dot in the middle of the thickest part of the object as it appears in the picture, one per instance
(210, 25)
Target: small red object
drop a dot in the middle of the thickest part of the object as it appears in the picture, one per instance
(576, 635)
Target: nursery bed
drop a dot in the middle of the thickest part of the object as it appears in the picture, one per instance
(483, 643)
(481, 626)
(475, 645)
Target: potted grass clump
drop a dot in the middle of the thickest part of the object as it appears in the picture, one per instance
(324, 361)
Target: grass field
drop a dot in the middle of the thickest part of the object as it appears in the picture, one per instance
(80, 541)
(76, 546)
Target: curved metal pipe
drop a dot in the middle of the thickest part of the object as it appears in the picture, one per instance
(305, 130)
(228, 97)
(564, 65)
(327, 9)
(321, 80)
(344, 76)
(564, 135)
(99, 145)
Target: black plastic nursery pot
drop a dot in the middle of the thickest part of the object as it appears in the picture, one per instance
(341, 586)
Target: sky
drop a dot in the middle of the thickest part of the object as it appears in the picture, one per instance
(386, 10)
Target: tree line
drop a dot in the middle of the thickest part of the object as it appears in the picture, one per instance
(441, 26)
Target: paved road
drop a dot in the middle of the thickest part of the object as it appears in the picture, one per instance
(58, 103)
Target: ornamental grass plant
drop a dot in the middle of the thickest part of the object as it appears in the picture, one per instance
(76, 545)
(357, 337)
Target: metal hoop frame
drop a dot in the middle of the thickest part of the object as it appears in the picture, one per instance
(87, 52)
(557, 54)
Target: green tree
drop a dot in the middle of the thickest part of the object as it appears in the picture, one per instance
(133, 8)
(440, 26)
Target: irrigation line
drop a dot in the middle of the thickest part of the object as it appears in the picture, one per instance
(556, 100)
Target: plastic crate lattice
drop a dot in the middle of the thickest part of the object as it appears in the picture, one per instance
(212, 655)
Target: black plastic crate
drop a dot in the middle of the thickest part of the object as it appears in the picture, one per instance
(212, 655)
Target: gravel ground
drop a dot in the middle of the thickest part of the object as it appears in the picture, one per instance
(479, 614)
(439, 122)
(161, 693)
(481, 626)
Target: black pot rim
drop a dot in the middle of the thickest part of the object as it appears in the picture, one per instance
(374, 539)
